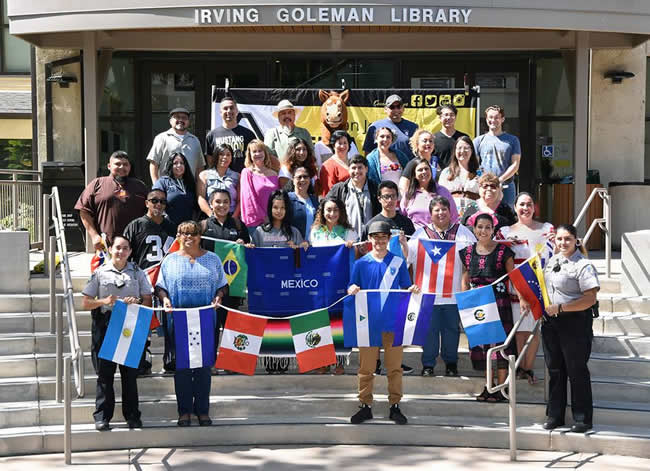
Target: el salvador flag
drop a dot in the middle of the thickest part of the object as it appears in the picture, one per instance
(480, 316)
(126, 335)
(413, 319)
(362, 320)
(194, 335)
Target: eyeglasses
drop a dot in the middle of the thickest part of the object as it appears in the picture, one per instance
(301, 177)
(388, 197)
(396, 107)
(157, 201)
(188, 234)
(489, 186)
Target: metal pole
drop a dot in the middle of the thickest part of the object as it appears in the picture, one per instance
(607, 200)
(59, 350)
(67, 411)
(14, 199)
(52, 272)
(46, 230)
(512, 392)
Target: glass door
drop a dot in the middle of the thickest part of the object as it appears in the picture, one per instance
(166, 86)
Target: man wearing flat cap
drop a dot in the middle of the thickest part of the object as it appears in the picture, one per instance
(175, 139)
(402, 128)
(277, 139)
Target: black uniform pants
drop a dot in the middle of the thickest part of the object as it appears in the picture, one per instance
(567, 345)
(105, 393)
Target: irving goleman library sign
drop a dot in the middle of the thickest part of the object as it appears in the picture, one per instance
(345, 15)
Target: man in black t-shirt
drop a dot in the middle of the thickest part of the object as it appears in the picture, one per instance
(445, 139)
(388, 196)
(231, 133)
(152, 234)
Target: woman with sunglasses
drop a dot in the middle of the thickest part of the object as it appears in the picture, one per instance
(490, 202)
(178, 183)
(189, 278)
(461, 176)
(421, 190)
(572, 284)
(384, 163)
(221, 176)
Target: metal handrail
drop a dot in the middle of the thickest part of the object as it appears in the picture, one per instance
(604, 222)
(14, 183)
(511, 380)
(77, 355)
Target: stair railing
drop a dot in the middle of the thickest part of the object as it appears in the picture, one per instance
(57, 243)
(604, 222)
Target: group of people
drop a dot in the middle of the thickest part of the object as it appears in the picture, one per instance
(285, 191)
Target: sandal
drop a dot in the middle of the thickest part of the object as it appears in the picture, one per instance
(530, 375)
(484, 396)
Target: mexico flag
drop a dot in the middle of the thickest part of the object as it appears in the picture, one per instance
(312, 338)
(240, 343)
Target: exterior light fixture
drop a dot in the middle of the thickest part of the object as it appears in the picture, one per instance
(64, 81)
(617, 76)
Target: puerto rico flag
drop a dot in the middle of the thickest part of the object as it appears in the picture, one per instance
(240, 343)
(436, 267)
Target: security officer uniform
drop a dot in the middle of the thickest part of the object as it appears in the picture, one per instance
(567, 337)
(105, 281)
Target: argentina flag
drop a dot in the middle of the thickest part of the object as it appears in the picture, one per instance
(194, 335)
(126, 335)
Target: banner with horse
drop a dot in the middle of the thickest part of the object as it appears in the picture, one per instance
(322, 112)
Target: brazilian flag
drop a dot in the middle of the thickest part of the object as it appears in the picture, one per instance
(233, 259)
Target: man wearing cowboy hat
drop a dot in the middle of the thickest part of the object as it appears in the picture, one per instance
(176, 139)
(277, 139)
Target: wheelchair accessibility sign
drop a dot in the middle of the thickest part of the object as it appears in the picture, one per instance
(547, 152)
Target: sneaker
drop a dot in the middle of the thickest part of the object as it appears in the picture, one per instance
(364, 413)
(406, 370)
(134, 423)
(396, 415)
(102, 425)
(378, 368)
(427, 371)
(451, 370)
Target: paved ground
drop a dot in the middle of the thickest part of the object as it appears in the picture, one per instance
(317, 458)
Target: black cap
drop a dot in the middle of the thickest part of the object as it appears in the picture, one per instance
(379, 227)
(179, 110)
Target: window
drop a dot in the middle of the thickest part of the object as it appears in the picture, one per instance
(15, 57)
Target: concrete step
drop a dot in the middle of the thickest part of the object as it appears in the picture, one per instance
(27, 414)
(624, 303)
(622, 323)
(157, 385)
(31, 302)
(421, 431)
(40, 284)
(628, 345)
(29, 323)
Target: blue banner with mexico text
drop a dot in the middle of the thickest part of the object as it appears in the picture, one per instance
(284, 281)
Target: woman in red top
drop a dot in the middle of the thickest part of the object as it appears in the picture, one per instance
(335, 169)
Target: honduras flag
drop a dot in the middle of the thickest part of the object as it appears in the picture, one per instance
(362, 320)
(413, 319)
(480, 316)
(194, 335)
(126, 335)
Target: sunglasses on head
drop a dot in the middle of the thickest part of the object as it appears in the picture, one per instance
(157, 200)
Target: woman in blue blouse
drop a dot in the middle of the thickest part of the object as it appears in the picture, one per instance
(179, 185)
(190, 278)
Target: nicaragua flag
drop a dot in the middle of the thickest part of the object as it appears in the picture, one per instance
(480, 316)
(362, 320)
(126, 335)
(414, 319)
(194, 335)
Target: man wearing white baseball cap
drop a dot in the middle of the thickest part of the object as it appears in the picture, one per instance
(277, 139)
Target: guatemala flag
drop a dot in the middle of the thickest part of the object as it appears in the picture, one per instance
(480, 316)
(194, 334)
(126, 335)
(362, 320)
(413, 319)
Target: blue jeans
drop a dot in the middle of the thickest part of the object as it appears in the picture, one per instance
(509, 193)
(445, 326)
(192, 387)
